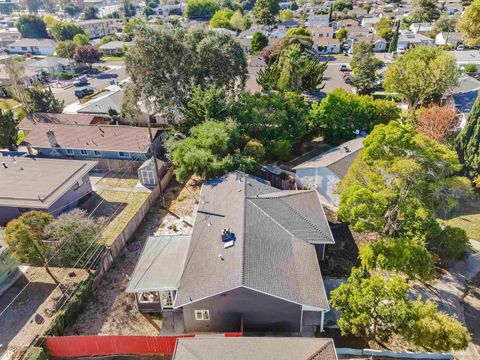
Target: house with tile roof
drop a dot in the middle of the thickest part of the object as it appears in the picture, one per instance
(254, 348)
(251, 262)
(324, 172)
(32, 46)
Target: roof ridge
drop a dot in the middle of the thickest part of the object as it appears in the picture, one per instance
(324, 346)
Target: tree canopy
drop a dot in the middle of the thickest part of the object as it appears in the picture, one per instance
(341, 115)
(468, 142)
(265, 11)
(201, 9)
(66, 49)
(87, 54)
(221, 18)
(8, 130)
(31, 26)
(259, 41)
(166, 64)
(62, 30)
(42, 100)
(438, 122)
(364, 65)
(422, 75)
(90, 13)
(469, 24)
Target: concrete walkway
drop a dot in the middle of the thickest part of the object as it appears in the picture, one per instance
(449, 293)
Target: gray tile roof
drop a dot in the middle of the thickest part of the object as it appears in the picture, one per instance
(38, 183)
(161, 264)
(338, 159)
(272, 253)
(254, 348)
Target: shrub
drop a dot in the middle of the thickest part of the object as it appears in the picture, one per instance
(451, 244)
(470, 68)
(255, 149)
(281, 149)
(65, 76)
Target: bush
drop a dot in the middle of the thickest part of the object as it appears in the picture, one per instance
(470, 68)
(281, 150)
(451, 244)
(36, 353)
(65, 76)
(255, 149)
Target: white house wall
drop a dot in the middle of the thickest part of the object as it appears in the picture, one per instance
(320, 179)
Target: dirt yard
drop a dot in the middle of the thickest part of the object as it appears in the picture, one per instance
(112, 310)
(29, 314)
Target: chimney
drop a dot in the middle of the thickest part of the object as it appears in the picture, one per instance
(52, 139)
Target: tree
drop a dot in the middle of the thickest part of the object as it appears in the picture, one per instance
(422, 75)
(424, 11)
(31, 26)
(73, 234)
(81, 39)
(239, 22)
(31, 5)
(72, 10)
(341, 5)
(384, 28)
(281, 150)
(66, 49)
(341, 114)
(434, 330)
(445, 23)
(201, 9)
(8, 130)
(50, 20)
(468, 142)
(90, 13)
(107, 38)
(469, 24)
(166, 64)
(129, 9)
(221, 18)
(371, 307)
(452, 243)
(394, 41)
(208, 151)
(42, 100)
(285, 15)
(24, 236)
(63, 31)
(298, 31)
(438, 122)
(341, 35)
(132, 25)
(148, 11)
(364, 65)
(376, 309)
(258, 42)
(293, 71)
(87, 54)
(265, 11)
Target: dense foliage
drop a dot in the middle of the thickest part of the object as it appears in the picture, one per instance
(468, 142)
(42, 100)
(8, 130)
(201, 9)
(31, 26)
(62, 30)
(265, 11)
(469, 24)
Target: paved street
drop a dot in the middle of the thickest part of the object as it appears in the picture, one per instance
(68, 95)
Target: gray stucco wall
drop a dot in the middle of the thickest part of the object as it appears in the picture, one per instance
(260, 313)
(67, 202)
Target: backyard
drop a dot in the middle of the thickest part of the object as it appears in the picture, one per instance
(466, 216)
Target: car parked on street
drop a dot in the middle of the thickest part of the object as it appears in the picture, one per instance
(80, 81)
(80, 93)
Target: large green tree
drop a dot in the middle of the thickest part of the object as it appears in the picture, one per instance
(342, 114)
(31, 26)
(201, 9)
(265, 11)
(66, 49)
(424, 11)
(364, 65)
(8, 130)
(90, 13)
(469, 24)
(221, 18)
(167, 64)
(42, 100)
(376, 309)
(422, 75)
(468, 142)
(63, 31)
(258, 42)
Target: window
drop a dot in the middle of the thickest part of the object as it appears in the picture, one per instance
(123, 154)
(148, 177)
(69, 151)
(97, 153)
(84, 152)
(202, 315)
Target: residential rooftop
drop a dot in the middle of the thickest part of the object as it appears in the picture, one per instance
(28, 42)
(29, 121)
(38, 183)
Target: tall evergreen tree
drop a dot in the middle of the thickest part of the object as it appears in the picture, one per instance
(394, 42)
(468, 142)
(8, 130)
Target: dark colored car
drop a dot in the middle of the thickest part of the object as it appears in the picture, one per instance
(80, 93)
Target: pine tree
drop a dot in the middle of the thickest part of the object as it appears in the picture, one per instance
(8, 130)
(468, 142)
(394, 42)
(330, 14)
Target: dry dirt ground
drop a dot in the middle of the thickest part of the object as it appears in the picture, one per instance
(24, 314)
(112, 311)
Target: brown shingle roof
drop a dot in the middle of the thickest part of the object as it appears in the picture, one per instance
(29, 121)
(92, 137)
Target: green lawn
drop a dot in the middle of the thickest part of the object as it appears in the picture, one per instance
(467, 217)
(111, 58)
(6, 104)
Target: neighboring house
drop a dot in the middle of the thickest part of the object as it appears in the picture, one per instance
(453, 8)
(99, 28)
(347, 23)
(322, 32)
(114, 48)
(369, 22)
(277, 34)
(252, 261)
(421, 28)
(146, 172)
(465, 57)
(8, 36)
(50, 185)
(318, 21)
(324, 172)
(254, 348)
(52, 65)
(32, 46)
(30, 76)
(407, 39)
(449, 38)
(287, 25)
(110, 145)
(30, 120)
(326, 45)
(379, 44)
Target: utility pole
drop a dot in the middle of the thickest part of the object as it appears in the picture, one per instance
(157, 178)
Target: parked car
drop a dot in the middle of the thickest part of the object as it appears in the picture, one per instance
(80, 81)
(401, 49)
(461, 47)
(80, 93)
(344, 67)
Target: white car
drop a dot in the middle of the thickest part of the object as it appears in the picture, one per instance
(344, 67)
(401, 49)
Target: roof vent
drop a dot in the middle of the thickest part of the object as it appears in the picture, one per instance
(227, 235)
(4, 165)
(347, 149)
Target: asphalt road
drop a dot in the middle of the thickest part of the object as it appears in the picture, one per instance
(68, 95)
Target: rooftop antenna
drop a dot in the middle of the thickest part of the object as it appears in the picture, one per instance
(221, 257)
